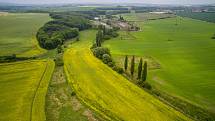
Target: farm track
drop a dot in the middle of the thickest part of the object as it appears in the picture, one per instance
(36, 90)
(109, 93)
(23, 89)
(20, 62)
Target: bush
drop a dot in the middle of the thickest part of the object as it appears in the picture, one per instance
(107, 37)
(115, 34)
(93, 46)
(111, 64)
(73, 93)
(100, 51)
(147, 85)
(59, 49)
(106, 58)
(59, 60)
(118, 69)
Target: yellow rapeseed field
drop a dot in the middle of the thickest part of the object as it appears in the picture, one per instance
(23, 90)
(109, 93)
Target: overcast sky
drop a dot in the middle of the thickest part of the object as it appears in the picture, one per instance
(111, 1)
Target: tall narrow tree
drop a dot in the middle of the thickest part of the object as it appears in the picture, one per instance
(104, 30)
(140, 68)
(126, 63)
(144, 74)
(99, 37)
(98, 43)
(132, 65)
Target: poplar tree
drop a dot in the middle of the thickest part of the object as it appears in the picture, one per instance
(144, 74)
(132, 65)
(126, 63)
(140, 68)
(98, 43)
(99, 37)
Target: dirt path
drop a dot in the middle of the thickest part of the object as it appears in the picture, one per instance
(62, 104)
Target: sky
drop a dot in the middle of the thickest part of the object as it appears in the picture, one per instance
(111, 1)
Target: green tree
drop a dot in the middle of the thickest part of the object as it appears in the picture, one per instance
(126, 63)
(59, 49)
(99, 37)
(104, 30)
(140, 68)
(132, 65)
(144, 74)
(78, 38)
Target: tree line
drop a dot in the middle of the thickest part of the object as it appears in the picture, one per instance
(105, 34)
(103, 53)
(213, 37)
(142, 69)
(63, 27)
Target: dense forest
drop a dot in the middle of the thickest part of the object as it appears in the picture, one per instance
(64, 26)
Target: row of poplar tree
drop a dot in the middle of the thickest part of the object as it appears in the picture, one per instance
(142, 69)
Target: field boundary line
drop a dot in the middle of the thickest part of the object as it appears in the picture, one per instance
(37, 88)
(21, 62)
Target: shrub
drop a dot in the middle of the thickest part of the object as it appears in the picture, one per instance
(106, 58)
(59, 49)
(114, 34)
(59, 60)
(93, 46)
(118, 69)
(73, 93)
(111, 64)
(107, 37)
(147, 85)
(100, 51)
(116, 28)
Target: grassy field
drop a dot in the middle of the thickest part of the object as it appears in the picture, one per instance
(204, 16)
(17, 33)
(109, 93)
(185, 52)
(23, 90)
(145, 16)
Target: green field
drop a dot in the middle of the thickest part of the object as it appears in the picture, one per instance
(23, 90)
(145, 16)
(109, 93)
(185, 52)
(17, 33)
(204, 16)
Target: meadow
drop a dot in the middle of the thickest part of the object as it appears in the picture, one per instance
(183, 49)
(145, 16)
(107, 92)
(23, 90)
(204, 16)
(18, 33)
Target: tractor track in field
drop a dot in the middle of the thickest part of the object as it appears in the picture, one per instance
(20, 62)
(35, 92)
